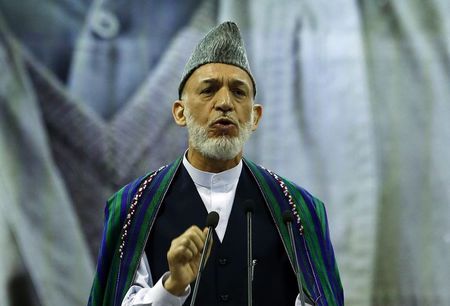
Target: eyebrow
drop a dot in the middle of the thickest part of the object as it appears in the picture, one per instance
(210, 81)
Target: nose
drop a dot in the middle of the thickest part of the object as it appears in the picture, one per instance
(223, 102)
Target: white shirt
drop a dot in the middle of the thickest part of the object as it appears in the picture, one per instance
(217, 191)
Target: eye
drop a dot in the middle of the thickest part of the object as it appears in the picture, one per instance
(239, 92)
(207, 90)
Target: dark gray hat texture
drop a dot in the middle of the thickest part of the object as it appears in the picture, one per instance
(223, 44)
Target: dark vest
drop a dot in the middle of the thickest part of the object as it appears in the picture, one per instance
(224, 280)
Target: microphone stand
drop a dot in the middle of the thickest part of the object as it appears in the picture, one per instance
(211, 223)
(249, 207)
(288, 218)
(249, 259)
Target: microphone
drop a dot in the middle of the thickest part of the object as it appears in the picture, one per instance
(288, 218)
(211, 222)
(212, 219)
(249, 208)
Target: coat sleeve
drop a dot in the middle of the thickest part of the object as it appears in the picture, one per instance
(115, 213)
(320, 248)
(328, 255)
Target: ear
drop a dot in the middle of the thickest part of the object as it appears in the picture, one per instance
(178, 112)
(257, 114)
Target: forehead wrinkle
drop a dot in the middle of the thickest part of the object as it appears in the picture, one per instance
(238, 82)
(232, 81)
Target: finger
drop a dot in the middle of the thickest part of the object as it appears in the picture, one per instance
(186, 242)
(195, 234)
(205, 231)
(180, 255)
(193, 229)
(187, 246)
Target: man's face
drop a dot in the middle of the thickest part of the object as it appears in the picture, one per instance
(217, 108)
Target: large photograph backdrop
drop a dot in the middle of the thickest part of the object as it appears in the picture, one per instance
(357, 110)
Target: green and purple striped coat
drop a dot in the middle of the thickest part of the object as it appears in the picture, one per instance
(115, 275)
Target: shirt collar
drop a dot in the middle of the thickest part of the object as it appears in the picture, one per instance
(207, 179)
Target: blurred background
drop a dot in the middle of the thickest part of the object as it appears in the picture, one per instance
(357, 111)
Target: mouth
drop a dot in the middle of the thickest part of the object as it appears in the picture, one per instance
(224, 122)
(224, 126)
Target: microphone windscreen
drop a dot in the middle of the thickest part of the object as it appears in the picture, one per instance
(249, 205)
(212, 219)
(288, 216)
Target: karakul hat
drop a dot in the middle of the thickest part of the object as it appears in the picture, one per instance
(223, 44)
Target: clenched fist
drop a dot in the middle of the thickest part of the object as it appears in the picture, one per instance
(183, 258)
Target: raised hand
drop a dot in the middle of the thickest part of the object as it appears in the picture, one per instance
(183, 258)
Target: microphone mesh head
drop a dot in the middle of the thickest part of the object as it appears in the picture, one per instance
(249, 205)
(212, 219)
(288, 216)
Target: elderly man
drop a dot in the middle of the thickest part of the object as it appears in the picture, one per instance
(153, 237)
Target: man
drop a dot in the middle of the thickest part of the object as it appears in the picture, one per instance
(153, 235)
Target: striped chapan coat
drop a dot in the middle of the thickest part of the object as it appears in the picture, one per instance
(137, 204)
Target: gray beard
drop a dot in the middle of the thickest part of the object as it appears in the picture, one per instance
(220, 147)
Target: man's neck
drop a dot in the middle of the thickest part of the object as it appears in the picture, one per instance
(207, 164)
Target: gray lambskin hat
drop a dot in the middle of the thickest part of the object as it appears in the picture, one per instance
(223, 44)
